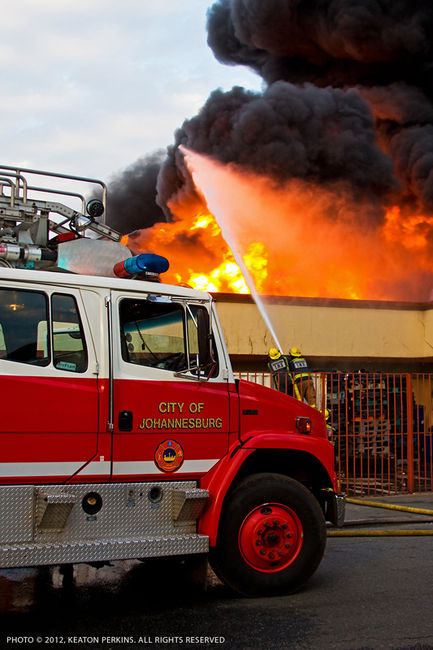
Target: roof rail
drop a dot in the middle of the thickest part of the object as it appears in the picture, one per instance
(33, 222)
(21, 187)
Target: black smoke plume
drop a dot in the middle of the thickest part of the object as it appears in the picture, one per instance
(132, 195)
(347, 100)
(384, 49)
(326, 136)
(327, 42)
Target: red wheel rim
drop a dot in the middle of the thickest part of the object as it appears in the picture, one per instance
(270, 537)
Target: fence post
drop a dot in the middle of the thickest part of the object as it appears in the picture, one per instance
(409, 411)
(324, 388)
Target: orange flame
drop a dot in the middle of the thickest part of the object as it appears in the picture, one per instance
(199, 256)
(297, 240)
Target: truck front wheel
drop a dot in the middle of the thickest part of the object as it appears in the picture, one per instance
(271, 538)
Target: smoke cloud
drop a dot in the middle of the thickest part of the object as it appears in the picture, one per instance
(334, 42)
(326, 136)
(132, 196)
(347, 105)
(383, 49)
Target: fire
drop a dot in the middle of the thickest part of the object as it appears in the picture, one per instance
(296, 240)
(412, 230)
(227, 272)
(199, 256)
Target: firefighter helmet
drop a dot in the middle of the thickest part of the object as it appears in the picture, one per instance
(295, 352)
(274, 353)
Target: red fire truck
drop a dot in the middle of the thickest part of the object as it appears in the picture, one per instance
(123, 433)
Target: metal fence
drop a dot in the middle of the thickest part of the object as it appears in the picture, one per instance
(381, 427)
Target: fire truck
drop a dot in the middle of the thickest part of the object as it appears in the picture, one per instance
(123, 432)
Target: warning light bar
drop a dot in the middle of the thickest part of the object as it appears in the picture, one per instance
(147, 263)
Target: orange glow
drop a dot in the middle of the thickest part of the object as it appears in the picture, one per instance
(295, 240)
(411, 230)
(198, 254)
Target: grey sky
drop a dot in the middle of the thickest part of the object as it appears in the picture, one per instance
(89, 86)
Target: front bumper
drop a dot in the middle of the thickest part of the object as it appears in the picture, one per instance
(335, 507)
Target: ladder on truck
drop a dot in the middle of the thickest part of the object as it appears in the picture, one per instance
(31, 227)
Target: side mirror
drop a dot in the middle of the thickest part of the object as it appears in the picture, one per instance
(204, 337)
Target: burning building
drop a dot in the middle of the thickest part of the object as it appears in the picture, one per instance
(322, 183)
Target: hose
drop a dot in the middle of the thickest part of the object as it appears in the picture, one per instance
(377, 533)
(383, 533)
(355, 523)
(389, 506)
(297, 393)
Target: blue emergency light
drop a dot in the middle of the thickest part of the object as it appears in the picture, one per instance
(149, 262)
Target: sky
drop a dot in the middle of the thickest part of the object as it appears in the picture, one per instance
(90, 86)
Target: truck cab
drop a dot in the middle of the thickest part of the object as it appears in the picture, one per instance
(125, 435)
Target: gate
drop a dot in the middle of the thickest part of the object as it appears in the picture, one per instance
(381, 428)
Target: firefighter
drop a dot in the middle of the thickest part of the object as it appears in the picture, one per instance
(279, 367)
(329, 427)
(303, 385)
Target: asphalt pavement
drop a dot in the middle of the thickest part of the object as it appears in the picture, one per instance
(370, 593)
(367, 517)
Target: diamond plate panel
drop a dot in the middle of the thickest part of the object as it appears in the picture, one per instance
(52, 510)
(135, 520)
(40, 554)
(126, 508)
(16, 513)
(188, 505)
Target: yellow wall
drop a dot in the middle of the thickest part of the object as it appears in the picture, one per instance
(427, 333)
(328, 328)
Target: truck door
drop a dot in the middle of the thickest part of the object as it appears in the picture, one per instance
(165, 420)
(48, 385)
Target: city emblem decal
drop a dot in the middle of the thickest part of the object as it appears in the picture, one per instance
(169, 456)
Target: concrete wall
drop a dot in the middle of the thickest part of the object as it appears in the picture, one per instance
(397, 335)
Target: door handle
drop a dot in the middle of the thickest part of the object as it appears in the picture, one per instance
(125, 420)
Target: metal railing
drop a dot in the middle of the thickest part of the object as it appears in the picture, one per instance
(381, 427)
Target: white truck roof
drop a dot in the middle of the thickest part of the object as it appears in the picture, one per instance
(117, 284)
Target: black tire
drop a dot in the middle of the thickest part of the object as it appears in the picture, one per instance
(271, 537)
